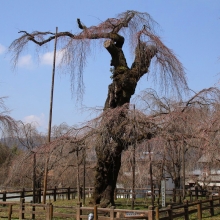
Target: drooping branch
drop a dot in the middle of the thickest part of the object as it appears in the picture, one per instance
(201, 99)
(122, 22)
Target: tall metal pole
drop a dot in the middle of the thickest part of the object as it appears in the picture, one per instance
(50, 118)
(52, 87)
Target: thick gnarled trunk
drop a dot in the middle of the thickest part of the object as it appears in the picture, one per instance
(121, 89)
(107, 169)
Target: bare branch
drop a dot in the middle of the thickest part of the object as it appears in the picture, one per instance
(135, 27)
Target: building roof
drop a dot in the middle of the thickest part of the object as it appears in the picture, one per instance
(208, 158)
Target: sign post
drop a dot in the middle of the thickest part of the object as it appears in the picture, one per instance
(163, 192)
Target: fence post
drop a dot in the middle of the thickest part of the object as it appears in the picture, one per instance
(55, 194)
(219, 197)
(51, 210)
(4, 197)
(9, 211)
(112, 213)
(115, 194)
(157, 215)
(211, 205)
(196, 192)
(174, 195)
(150, 212)
(68, 195)
(23, 193)
(219, 194)
(199, 210)
(49, 213)
(89, 194)
(78, 211)
(21, 209)
(170, 212)
(73, 195)
(39, 195)
(81, 192)
(186, 209)
(95, 212)
(33, 211)
(179, 198)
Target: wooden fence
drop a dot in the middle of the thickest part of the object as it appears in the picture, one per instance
(25, 210)
(48, 211)
(55, 192)
(187, 209)
(154, 213)
(71, 193)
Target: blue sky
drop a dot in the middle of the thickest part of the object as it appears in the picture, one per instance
(191, 28)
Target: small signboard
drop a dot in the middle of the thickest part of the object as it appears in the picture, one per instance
(163, 192)
(133, 215)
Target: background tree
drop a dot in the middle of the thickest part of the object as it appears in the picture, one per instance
(7, 124)
(24, 170)
(63, 161)
(7, 128)
(139, 29)
(185, 128)
(6, 155)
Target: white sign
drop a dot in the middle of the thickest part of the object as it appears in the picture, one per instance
(163, 192)
(133, 214)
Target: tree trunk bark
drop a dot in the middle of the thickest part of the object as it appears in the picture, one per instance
(111, 143)
(107, 169)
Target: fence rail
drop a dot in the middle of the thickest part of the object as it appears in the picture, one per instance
(54, 192)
